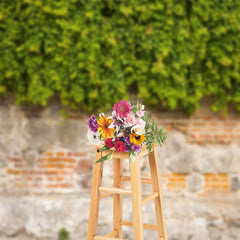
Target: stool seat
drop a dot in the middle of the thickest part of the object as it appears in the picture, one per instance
(100, 192)
(124, 155)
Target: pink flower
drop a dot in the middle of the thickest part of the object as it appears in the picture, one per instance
(140, 113)
(141, 122)
(130, 120)
(122, 108)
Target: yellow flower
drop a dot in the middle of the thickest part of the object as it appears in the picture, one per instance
(137, 139)
(104, 129)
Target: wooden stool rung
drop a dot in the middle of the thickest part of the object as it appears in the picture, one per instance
(147, 226)
(106, 238)
(112, 234)
(114, 190)
(150, 197)
(143, 180)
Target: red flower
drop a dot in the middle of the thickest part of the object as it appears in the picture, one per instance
(109, 143)
(120, 147)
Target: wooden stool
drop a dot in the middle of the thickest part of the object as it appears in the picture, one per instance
(99, 192)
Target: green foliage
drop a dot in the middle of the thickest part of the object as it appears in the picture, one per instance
(153, 134)
(106, 157)
(63, 234)
(93, 53)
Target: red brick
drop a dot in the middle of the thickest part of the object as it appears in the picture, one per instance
(222, 175)
(38, 179)
(220, 136)
(60, 154)
(215, 124)
(70, 160)
(15, 159)
(43, 159)
(49, 154)
(230, 124)
(208, 118)
(59, 178)
(171, 185)
(35, 185)
(80, 154)
(55, 159)
(36, 172)
(13, 171)
(25, 171)
(60, 165)
(194, 136)
(53, 185)
(196, 129)
(51, 172)
(50, 165)
(225, 186)
(71, 166)
(199, 124)
(41, 165)
(201, 135)
(229, 130)
(211, 130)
(210, 175)
(28, 178)
(66, 185)
(50, 178)
(18, 165)
(21, 185)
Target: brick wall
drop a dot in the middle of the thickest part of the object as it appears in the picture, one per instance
(46, 167)
(60, 169)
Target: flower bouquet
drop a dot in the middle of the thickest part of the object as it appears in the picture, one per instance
(126, 130)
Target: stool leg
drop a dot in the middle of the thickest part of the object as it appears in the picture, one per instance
(117, 198)
(136, 199)
(95, 198)
(157, 188)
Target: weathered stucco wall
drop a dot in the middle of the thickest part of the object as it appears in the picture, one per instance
(46, 170)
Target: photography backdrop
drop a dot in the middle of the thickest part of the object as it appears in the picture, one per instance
(83, 56)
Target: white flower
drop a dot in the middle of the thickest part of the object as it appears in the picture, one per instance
(138, 129)
(94, 138)
(141, 107)
(117, 121)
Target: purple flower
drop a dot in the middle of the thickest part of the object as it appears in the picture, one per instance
(117, 121)
(126, 148)
(136, 148)
(92, 123)
(127, 140)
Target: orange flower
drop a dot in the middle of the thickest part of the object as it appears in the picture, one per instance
(104, 129)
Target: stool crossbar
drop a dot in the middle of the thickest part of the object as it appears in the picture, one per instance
(100, 192)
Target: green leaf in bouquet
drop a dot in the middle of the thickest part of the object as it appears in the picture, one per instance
(104, 148)
(132, 156)
(106, 157)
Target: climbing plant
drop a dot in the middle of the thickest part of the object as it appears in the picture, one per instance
(92, 53)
